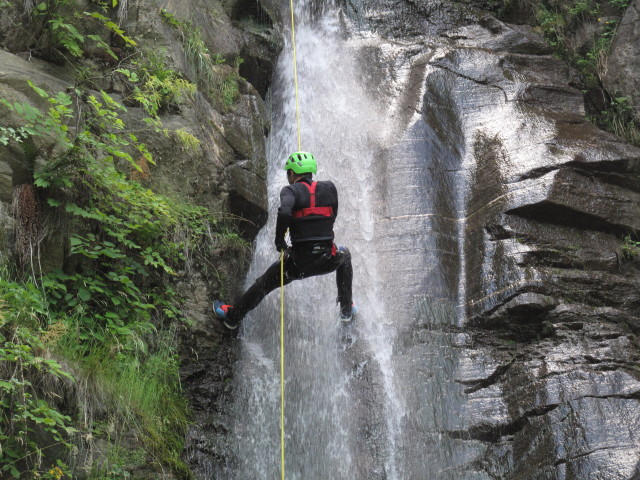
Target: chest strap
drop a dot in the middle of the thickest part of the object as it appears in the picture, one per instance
(312, 209)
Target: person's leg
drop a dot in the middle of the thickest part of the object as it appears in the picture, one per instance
(344, 279)
(340, 262)
(269, 281)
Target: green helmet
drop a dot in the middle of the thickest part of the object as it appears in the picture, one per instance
(301, 162)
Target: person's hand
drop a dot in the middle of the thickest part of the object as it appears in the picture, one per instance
(281, 245)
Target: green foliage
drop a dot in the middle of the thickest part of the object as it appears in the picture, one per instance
(189, 141)
(583, 9)
(553, 25)
(592, 64)
(630, 247)
(558, 21)
(195, 49)
(114, 314)
(216, 85)
(229, 88)
(9, 133)
(619, 119)
(141, 390)
(113, 28)
(29, 424)
(156, 86)
(119, 462)
(620, 4)
(63, 26)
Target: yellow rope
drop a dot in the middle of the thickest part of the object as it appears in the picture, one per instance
(295, 87)
(282, 362)
(295, 74)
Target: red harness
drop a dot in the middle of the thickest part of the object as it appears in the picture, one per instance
(312, 209)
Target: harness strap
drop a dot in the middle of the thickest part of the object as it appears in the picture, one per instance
(312, 209)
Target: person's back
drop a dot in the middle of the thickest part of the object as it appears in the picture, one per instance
(308, 209)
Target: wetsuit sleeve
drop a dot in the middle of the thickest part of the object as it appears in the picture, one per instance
(287, 202)
(335, 206)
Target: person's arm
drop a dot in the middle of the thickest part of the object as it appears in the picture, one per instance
(335, 207)
(287, 202)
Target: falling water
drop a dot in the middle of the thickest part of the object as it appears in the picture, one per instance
(359, 404)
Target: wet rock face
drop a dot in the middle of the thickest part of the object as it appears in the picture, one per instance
(623, 65)
(564, 403)
(540, 201)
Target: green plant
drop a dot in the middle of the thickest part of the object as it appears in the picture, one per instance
(156, 86)
(188, 140)
(29, 424)
(621, 4)
(62, 22)
(556, 24)
(119, 463)
(114, 316)
(9, 133)
(630, 247)
(141, 389)
(230, 88)
(584, 9)
(619, 119)
(553, 25)
(203, 62)
(593, 63)
(195, 49)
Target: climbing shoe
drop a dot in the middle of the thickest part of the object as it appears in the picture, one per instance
(221, 311)
(346, 317)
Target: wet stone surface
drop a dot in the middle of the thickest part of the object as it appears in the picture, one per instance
(524, 208)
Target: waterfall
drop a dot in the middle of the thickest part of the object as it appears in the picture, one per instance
(358, 404)
(340, 125)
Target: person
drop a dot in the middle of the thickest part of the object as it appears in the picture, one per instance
(308, 209)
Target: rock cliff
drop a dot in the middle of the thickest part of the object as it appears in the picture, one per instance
(208, 151)
(536, 216)
(529, 204)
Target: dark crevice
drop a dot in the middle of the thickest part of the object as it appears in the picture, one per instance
(251, 10)
(622, 396)
(552, 213)
(491, 379)
(474, 80)
(493, 433)
(562, 461)
(485, 320)
(604, 170)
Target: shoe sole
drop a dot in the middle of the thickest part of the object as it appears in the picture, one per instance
(221, 315)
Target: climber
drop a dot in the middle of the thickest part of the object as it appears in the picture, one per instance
(308, 209)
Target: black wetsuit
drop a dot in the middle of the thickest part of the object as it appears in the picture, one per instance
(312, 250)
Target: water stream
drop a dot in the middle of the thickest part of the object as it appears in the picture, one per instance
(360, 401)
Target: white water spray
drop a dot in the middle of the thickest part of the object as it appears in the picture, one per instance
(325, 415)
